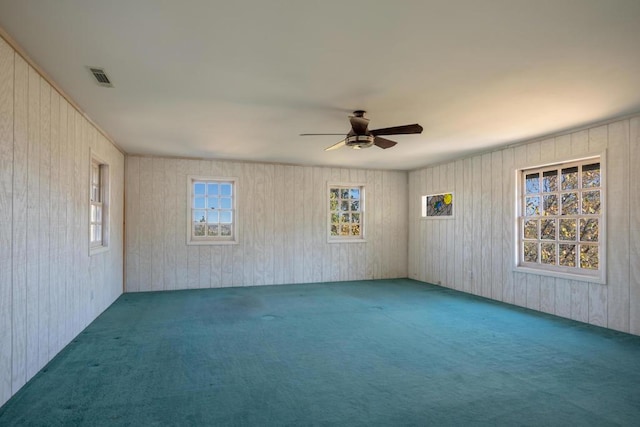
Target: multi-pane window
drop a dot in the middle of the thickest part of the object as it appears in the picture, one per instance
(212, 210)
(98, 200)
(346, 212)
(561, 218)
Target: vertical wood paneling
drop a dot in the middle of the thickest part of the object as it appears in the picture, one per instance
(33, 219)
(486, 213)
(476, 215)
(169, 213)
(19, 223)
(282, 234)
(450, 226)
(132, 224)
(618, 243)
(467, 217)
(6, 217)
(458, 239)
(508, 224)
(597, 304)
(146, 225)
(634, 235)
(49, 287)
(496, 216)
(54, 224)
(44, 320)
(579, 301)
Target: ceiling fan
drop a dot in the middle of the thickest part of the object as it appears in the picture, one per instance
(361, 137)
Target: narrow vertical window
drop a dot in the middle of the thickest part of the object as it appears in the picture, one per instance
(212, 210)
(346, 212)
(98, 205)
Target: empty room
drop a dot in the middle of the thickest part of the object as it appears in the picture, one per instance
(347, 213)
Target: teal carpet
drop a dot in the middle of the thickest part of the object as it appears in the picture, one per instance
(386, 353)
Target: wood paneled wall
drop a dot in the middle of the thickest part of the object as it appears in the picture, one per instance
(50, 288)
(474, 252)
(282, 226)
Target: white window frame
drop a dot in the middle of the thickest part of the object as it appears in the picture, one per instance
(347, 239)
(211, 240)
(98, 205)
(572, 273)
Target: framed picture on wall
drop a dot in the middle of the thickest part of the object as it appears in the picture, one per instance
(438, 205)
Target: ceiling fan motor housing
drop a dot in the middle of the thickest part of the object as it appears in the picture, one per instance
(359, 141)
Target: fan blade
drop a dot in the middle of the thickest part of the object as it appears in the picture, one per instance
(321, 134)
(359, 125)
(383, 143)
(337, 145)
(398, 130)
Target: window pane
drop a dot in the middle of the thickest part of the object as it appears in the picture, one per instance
(199, 216)
(212, 217)
(588, 229)
(567, 255)
(568, 229)
(333, 205)
(98, 214)
(198, 203)
(345, 217)
(589, 257)
(532, 183)
(570, 204)
(225, 230)
(355, 217)
(344, 193)
(533, 206)
(355, 230)
(591, 175)
(98, 233)
(333, 194)
(530, 252)
(355, 193)
(531, 229)
(198, 230)
(570, 178)
(550, 204)
(344, 205)
(212, 189)
(334, 229)
(344, 230)
(355, 205)
(225, 203)
(92, 232)
(550, 181)
(548, 229)
(548, 253)
(225, 217)
(212, 203)
(93, 213)
(335, 218)
(225, 189)
(591, 202)
(212, 230)
(198, 188)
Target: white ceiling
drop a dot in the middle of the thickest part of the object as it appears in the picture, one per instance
(241, 79)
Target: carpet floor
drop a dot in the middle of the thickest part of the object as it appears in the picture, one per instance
(385, 352)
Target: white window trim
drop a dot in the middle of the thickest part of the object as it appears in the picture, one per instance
(600, 276)
(236, 218)
(105, 178)
(363, 219)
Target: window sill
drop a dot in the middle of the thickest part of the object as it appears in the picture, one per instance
(211, 242)
(347, 241)
(98, 250)
(562, 275)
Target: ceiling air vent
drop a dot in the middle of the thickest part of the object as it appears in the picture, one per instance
(100, 76)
